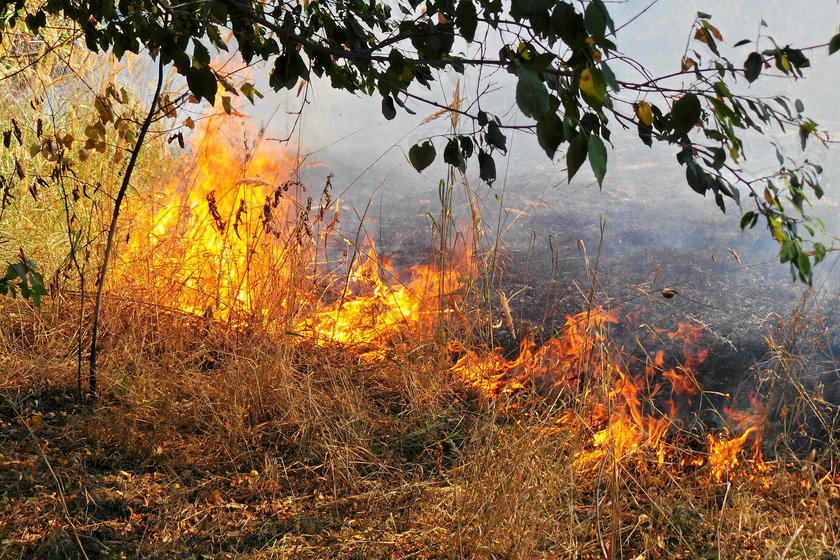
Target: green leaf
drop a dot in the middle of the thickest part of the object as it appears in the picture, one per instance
(466, 19)
(11, 273)
(200, 53)
(819, 252)
(697, 178)
(486, 167)
(685, 113)
(422, 155)
(645, 134)
(721, 89)
(834, 45)
(748, 220)
(597, 158)
(202, 83)
(216, 38)
(610, 23)
(803, 265)
(249, 91)
(576, 155)
(788, 252)
(568, 24)
(289, 67)
(710, 40)
(531, 94)
(388, 109)
(752, 66)
(452, 154)
(609, 77)
(796, 58)
(38, 290)
(495, 137)
(799, 105)
(226, 104)
(36, 21)
(703, 15)
(550, 133)
(595, 18)
(466, 146)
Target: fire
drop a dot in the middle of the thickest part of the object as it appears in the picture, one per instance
(561, 363)
(232, 238)
(724, 455)
(217, 239)
(375, 311)
(642, 413)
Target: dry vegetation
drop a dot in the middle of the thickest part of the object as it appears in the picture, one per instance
(220, 444)
(220, 437)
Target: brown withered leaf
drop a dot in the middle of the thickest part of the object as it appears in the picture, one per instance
(18, 134)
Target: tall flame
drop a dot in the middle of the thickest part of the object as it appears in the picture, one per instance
(215, 238)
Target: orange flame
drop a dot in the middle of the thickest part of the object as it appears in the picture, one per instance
(637, 415)
(212, 240)
(228, 236)
(231, 236)
(375, 310)
(561, 363)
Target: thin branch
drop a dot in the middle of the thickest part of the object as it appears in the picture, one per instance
(92, 378)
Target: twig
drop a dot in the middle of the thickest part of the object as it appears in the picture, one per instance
(598, 503)
(720, 520)
(366, 496)
(793, 538)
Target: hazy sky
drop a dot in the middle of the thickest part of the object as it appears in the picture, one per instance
(657, 38)
(348, 134)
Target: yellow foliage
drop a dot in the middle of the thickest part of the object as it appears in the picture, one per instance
(644, 112)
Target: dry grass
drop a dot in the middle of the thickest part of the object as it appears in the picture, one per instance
(237, 444)
(55, 203)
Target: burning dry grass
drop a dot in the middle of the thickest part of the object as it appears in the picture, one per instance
(267, 394)
(236, 443)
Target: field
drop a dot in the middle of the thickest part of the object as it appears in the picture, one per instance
(272, 387)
